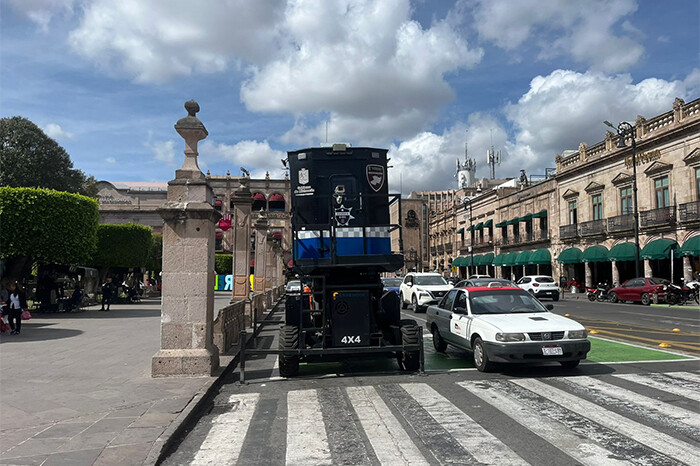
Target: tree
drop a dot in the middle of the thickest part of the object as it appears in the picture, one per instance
(126, 245)
(45, 227)
(224, 264)
(155, 256)
(29, 158)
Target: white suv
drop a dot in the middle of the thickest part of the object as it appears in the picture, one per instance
(422, 289)
(540, 286)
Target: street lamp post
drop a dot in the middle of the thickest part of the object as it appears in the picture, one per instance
(466, 199)
(625, 130)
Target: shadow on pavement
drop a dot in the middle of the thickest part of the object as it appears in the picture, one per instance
(97, 314)
(33, 332)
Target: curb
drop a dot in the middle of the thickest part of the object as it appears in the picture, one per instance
(176, 430)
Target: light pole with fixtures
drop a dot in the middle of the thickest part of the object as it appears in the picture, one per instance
(625, 130)
(467, 199)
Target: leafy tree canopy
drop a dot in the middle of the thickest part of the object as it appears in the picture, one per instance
(29, 158)
(224, 264)
(126, 245)
(155, 257)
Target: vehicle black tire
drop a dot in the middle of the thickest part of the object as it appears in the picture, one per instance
(481, 359)
(289, 340)
(613, 297)
(555, 297)
(414, 303)
(409, 361)
(591, 297)
(696, 297)
(569, 364)
(646, 299)
(439, 343)
(672, 298)
(403, 303)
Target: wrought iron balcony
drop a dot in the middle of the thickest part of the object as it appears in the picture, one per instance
(568, 231)
(689, 212)
(448, 248)
(656, 217)
(592, 228)
(433, 250)
(621, 223)
(440, 249)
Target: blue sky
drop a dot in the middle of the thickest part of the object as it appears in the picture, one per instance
(108, 79)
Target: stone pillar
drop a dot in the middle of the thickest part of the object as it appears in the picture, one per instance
(647, 268)
(242, 202)
(270, 263)
(186, 333)
(615, 274)
(687, 269)
(589, 275)
(260, 282)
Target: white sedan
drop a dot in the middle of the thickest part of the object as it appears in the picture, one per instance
(505, 325)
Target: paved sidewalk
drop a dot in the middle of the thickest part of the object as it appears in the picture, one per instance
(76, 389)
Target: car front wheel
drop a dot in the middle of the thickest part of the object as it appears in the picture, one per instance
(646, 299)
(403, 302)
(414, 303)
(481, 359)
(613, 297)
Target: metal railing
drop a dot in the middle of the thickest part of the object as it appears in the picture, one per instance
(689, 212)
(621, 223)
(592, 228)
(656, 217)
(568, 231)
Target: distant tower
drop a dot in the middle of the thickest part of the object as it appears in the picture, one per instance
(466, 172)
(493, 158)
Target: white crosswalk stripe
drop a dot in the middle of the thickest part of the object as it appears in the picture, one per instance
(578, 419)
(659, 441)
(664, 383)
(224, 441)
(306, 432)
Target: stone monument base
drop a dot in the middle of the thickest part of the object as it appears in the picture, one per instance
(184, 362)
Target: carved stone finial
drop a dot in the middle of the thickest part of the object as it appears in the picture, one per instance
(267, 175)
(228, 173)
(678, 103)
(208, 173)
(192, 131)
(192, 107)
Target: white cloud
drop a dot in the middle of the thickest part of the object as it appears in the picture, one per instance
(55, 131)
(256, 157)
(163, 151)
(111, 160)
(42, 12)
(158, 40)
(586, 30)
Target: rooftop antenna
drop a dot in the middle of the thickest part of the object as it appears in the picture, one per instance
(466, 172)
(493, 158)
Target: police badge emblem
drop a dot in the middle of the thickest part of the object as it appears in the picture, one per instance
(342, 215)
(375, 176)
(303, 176)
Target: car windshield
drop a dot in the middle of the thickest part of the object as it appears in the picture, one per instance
(486, 281)
(544, 280)
(392, 282)
(294, 284)
(503, 302)
(428, 280)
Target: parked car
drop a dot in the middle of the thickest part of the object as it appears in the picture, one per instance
(293, 286)
(484, 282)
(392, 284)
(639, 289)
(420, 290)
(505, 324)
(480, 276)
(540, 286)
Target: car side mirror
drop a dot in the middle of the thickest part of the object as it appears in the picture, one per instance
(460, 310)
(549, 307)
(409, 283)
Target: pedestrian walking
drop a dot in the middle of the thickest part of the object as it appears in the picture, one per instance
(107, 293)
(16, 304)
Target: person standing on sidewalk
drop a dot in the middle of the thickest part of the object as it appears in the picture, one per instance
(107, 292)
(16, 304)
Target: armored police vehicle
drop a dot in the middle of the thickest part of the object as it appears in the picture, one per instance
(341, 246)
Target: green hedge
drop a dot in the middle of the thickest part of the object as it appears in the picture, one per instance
(47, 226)
(155, 255)
(224, 264)
(125, 245)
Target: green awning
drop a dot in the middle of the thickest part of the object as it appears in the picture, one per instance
(470, 228)
(691, 247)
(501, 224)
(456, 262)
(658, 249)
(460, 231)
(510, 258)
(622, 252)
(523, 258)
(541, 214)
(498, 260)
(570, 256)
(477, 259)
(526, 218)
(595, 254)
(540, 257)
(513, 221)
(488, 223)
(479, 226)
(487, 259)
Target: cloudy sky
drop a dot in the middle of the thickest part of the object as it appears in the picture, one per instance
(107, 79)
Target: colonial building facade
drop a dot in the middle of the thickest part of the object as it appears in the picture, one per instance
(578, 224)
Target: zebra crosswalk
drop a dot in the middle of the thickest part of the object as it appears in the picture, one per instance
(616, 419)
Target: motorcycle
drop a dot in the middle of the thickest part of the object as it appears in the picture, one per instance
(599, 293)
(683, 294)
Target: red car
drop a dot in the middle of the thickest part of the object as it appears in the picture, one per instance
(639, 289)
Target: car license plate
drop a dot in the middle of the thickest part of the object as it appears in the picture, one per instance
(552, 351)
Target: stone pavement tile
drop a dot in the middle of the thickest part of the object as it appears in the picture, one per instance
(124, 455)
(73, 458)
(115, 424)
(154, 420)
(12, 437)
(86, 441)
(24, 460)
(134, 435)
(171, 405)
(33, 447)
(130, 411)
(63, 430)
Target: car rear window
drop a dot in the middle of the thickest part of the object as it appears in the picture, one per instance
(427, 280)
(544, 280)
(503, 302)
(396, 282)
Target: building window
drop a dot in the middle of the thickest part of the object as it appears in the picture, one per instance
(597, 207)
(573, 212)
(661, 188)
(626, 201)
(697, 181)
